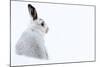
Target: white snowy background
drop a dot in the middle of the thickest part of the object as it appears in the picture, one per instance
(71, 32)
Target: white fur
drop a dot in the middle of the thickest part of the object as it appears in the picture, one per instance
(31, 43)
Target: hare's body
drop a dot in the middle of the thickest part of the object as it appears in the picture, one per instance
(31, 42)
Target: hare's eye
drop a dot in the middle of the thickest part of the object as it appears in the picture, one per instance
(42, 24)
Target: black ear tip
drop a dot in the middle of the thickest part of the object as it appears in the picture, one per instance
(29, 5)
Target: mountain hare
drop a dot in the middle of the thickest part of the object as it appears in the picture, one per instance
(31, 42)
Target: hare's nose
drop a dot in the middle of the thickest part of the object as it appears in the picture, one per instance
(47, 30)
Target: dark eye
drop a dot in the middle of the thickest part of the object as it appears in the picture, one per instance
(42, 24)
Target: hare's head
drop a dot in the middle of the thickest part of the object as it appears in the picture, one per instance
(37, 23)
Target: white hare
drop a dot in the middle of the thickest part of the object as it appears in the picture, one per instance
(31, 42)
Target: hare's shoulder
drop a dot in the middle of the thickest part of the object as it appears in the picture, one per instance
(32, 36)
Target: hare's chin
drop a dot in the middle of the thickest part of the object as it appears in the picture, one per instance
(47, 30)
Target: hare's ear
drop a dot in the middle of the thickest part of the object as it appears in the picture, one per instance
(32, 11)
